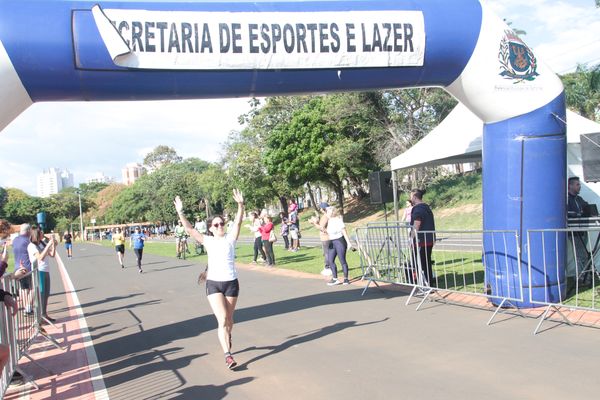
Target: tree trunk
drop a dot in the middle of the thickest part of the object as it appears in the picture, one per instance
(312, 196)
(339, 190)
(283, 204)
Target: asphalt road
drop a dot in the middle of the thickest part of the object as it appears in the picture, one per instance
(296, 338)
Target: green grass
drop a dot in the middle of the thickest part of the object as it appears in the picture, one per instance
(456, 190)
(458, 220)
(459, 271)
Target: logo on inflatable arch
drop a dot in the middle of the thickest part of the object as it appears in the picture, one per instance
(516, 59)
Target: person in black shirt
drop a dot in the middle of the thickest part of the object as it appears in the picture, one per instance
(575, 204)
(423, 222)
(578, 239)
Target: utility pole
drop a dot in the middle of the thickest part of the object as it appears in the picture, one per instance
(80, 215)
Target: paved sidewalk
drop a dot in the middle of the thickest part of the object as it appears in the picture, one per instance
(296, 338)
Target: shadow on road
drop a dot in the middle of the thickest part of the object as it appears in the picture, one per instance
(213, 392)
(160, 336)
(303, 338)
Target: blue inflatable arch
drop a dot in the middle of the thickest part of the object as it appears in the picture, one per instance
(141, 50)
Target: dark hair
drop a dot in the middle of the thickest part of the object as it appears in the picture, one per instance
(573, 178)
(211, 222)
(36, 235)
(418, 193)
(4, 228)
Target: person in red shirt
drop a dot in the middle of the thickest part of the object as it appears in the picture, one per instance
(265, 232)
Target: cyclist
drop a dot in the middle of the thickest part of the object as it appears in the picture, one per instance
(180, 239)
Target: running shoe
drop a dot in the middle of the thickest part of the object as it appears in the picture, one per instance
(140, 271)
(230, 362)
(333, 282)
(346, 282)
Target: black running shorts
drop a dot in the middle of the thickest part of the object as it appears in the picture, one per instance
(120, 248)
(227, 288)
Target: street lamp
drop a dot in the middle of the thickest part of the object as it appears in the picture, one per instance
(80, 214)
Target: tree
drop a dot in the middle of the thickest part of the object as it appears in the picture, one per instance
(160, 156)
(217, 191)
(90, 190)
(582, 90)
(20, 207)
(66, 204)
(103, 201)
(3, 199)
(150, 198)
(249, 172)
(327, 140)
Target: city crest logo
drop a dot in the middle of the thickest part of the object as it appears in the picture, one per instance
(516, 59)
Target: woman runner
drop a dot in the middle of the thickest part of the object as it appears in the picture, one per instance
(222, 286)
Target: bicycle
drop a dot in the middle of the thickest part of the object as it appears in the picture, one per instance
(182, 247)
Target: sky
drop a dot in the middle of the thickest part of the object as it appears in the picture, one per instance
(91, 137)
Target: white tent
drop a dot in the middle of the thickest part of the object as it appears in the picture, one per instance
(457, 139)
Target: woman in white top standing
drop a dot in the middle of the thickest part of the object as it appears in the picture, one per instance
(340, 243)
(39, 252)
(222, 286)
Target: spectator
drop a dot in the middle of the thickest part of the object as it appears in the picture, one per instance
(575, 203)
(200, 225)
(265, 231)
(284, 230)
(4, 233)
(292, 206)
(254, 225)
(39, 251)
(422, 220)
(10, 303)
(294, 231)
(576, 206)
(340, 243)
(407, 211)
(23, 265)
(321, 225)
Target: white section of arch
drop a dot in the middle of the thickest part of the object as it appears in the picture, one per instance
(14, 99)
(491, 96)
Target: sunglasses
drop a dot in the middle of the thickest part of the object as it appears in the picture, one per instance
(218, 224)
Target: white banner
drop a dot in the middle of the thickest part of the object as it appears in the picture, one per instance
(262, 40)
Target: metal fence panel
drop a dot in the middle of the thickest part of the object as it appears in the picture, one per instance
(386, 254)
(577, 272)
(477, 262)
(18, 332)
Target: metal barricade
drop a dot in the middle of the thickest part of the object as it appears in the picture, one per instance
(8, 336)
(19, 332)
(483, 263)
(386, 255)
(576, 271)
